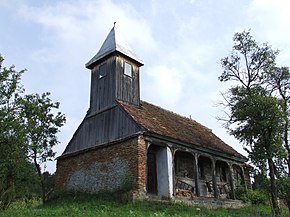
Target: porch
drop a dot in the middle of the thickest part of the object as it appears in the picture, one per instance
(191, 175)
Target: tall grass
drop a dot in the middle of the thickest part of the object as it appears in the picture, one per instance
(90, 205)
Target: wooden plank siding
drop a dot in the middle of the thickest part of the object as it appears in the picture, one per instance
(114, 86)
(104, 127)
(102, 89)
(128, 89)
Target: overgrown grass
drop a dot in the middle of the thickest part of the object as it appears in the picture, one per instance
(89, 205)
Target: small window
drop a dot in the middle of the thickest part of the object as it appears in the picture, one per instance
(103, 70)
(127, 69)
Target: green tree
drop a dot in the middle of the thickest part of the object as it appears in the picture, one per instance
(278, 82)
(255, 116)
(28, 128)
(11, 133)
(41, 124)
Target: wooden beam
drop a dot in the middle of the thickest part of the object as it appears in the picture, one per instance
(196, 178)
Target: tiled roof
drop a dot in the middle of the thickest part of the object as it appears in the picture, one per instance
(165, 123)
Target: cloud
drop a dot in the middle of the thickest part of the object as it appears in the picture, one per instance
(85, 24)
(163, 85)
(180, 43)
(68, 35)
(272, 21)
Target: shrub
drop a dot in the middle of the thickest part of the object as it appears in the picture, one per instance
(258, 197)
(242, 194)
(284, 188)
(254, 196)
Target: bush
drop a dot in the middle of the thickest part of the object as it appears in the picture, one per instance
(254, 196)
(242, 194)
(284, 188)
(258, 197)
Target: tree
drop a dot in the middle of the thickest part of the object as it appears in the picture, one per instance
(11, 134)
(41, 125)
(255, 116)
(260, 126)
(249, 62)
(28, 127)
(278, 82)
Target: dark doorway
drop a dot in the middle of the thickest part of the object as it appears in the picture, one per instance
(151, 171)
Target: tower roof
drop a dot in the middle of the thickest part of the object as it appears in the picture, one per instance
(114, 42)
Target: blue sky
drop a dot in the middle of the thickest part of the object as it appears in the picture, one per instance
(181, 43)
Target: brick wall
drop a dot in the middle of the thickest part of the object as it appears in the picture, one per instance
(108, 168)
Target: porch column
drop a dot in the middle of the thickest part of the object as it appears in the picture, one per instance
(173, 171)
(164, 172)
(243, 177)
(196, 178)
(213, 172)
(233, 194)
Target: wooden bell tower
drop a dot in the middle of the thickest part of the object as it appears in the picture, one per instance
(114, 74)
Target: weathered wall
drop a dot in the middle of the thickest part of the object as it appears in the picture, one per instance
(107, 168)
(107, 126)
(114, 85)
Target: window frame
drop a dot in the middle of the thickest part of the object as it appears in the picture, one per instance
(104, 74)
(125, 71)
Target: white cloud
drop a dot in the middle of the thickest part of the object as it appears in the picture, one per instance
(69, 34)
(180, 42)
(84, 24)
(163, 85)
(272, 21)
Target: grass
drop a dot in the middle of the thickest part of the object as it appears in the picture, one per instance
(88, 205)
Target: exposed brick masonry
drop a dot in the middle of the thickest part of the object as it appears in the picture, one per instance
(110, 168)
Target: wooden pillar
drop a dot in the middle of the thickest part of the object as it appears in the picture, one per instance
(243, 177)
(173, 171)
(196, 178)
(233, 194)
(213, 172)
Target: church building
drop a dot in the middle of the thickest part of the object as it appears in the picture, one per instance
(126, 144)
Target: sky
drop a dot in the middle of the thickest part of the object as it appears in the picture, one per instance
(181, 43)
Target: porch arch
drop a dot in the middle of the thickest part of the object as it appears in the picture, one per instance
(184, 173)
(238, 176)
(224, 180)
(206, 175)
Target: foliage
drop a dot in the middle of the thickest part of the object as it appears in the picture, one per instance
(284, 188)
(28, 128)
(27, 182)
(256, 115)
(249, 62)
(11, 134)
(48, 181)
(242, 194)
(261, 181)
(258, 197)
(259, 123)
(41, 126)
(278, 81)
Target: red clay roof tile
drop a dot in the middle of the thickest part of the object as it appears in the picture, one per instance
(163, 122)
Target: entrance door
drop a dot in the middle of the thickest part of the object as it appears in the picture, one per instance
(151, 172)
